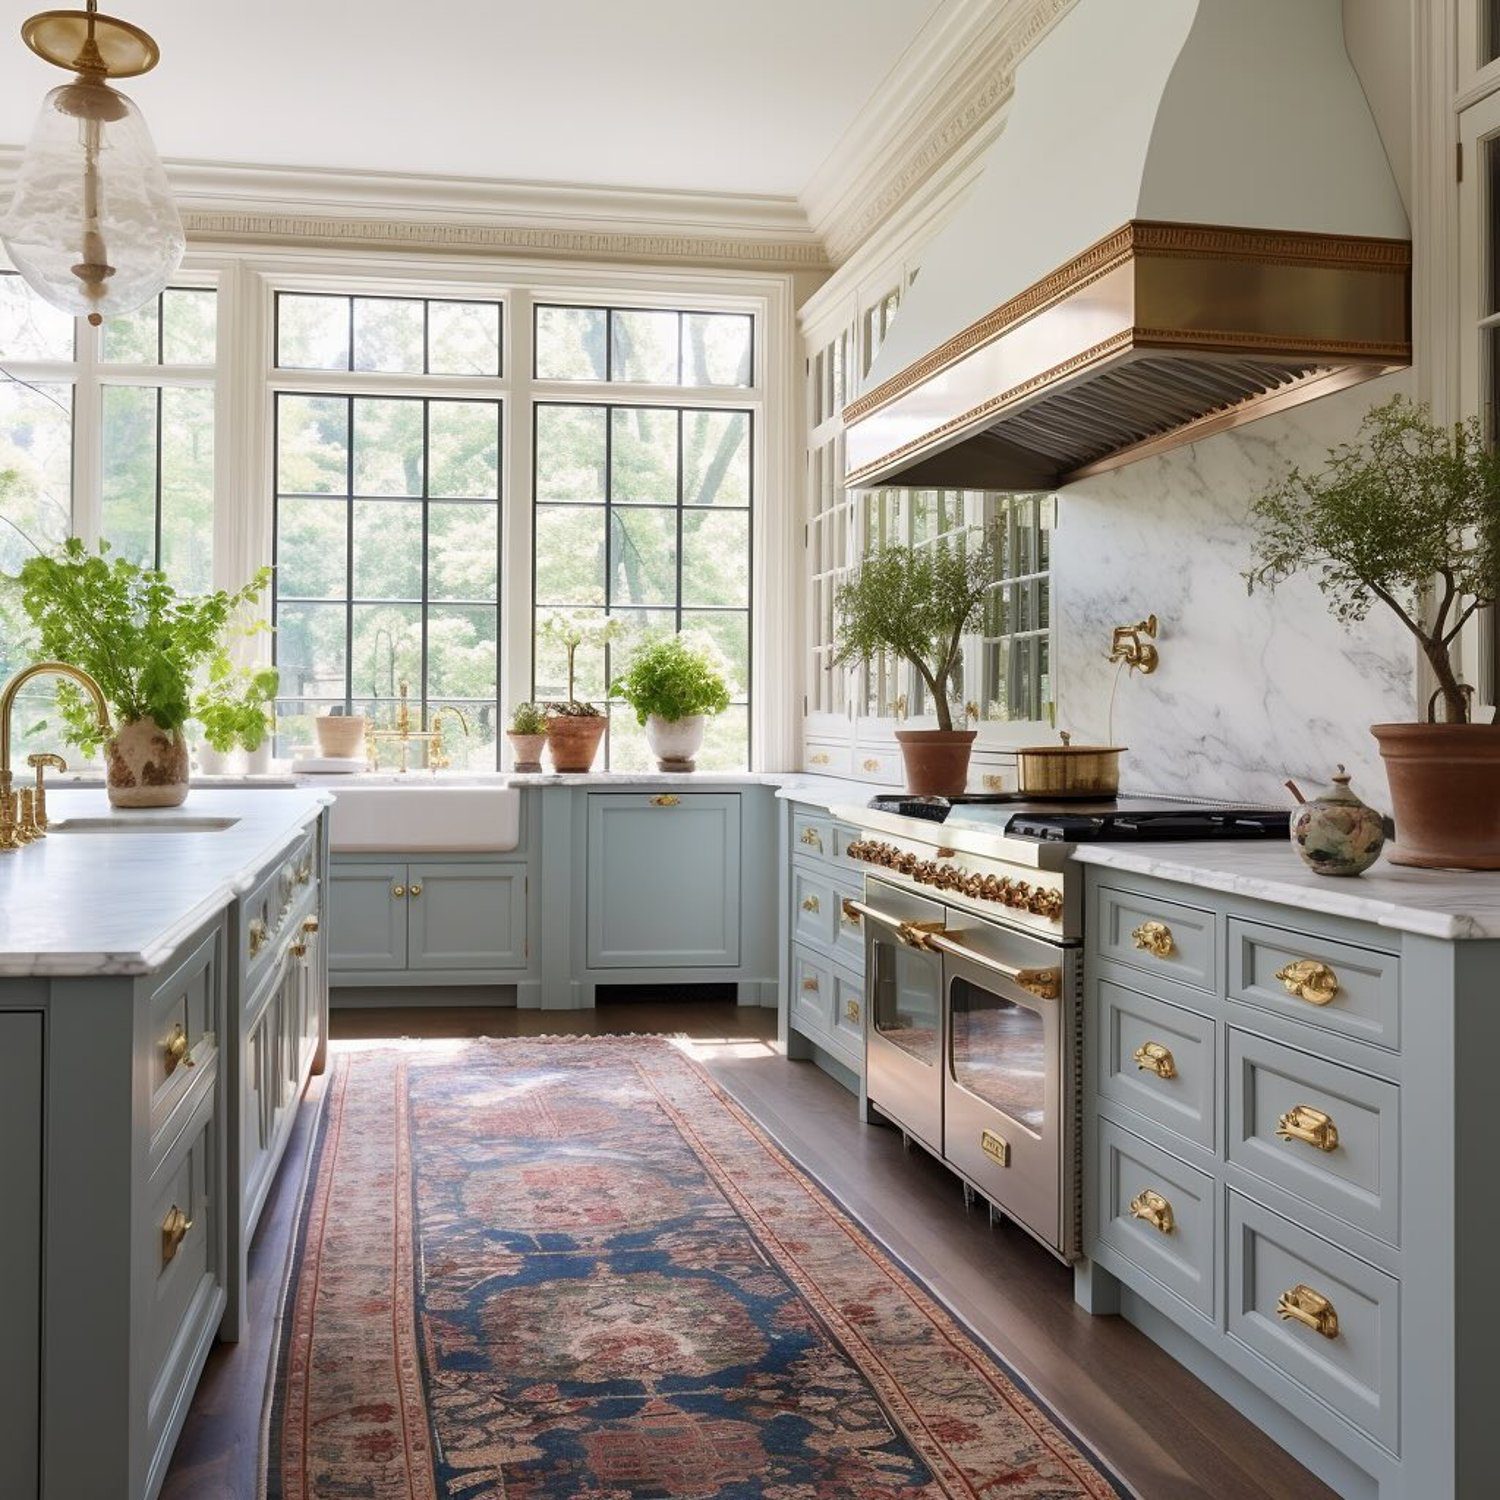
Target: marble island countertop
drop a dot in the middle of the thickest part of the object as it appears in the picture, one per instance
(87, 903)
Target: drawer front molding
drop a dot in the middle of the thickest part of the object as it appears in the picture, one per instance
(1157, 1059)
(1157, 936)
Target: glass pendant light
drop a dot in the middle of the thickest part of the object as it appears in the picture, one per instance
(92, 227)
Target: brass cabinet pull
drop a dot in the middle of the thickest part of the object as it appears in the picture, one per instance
(1301, 1304)
(848, 913)
(812, 838)
(260, 935)
(1310, 980)
(1154, 1209)
(851, 1011)
(174, 1230)
(871, 764)
(1304, 1123)
(809, 903)
(666, 799)
(1154, 937)
(1156, 1058)
(818, 758)
(416, 889)
(810, 984)
(309, 924)
(175, 1050)
(297, 950)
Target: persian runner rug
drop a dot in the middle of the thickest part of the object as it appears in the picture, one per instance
(575, 1267)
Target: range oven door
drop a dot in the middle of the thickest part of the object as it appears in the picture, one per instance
(904, 1005)
(1009, 1095)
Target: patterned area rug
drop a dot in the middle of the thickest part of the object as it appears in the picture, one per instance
(574, 1267)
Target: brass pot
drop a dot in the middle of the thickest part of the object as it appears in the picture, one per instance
(1069, 771)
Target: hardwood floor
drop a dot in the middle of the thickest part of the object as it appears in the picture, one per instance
(1159, 1428)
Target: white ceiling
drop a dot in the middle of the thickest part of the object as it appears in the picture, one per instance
(729, 96)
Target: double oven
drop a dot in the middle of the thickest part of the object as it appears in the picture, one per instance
(972, 1037)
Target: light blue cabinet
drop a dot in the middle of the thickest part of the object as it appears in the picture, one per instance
(367, 917)
(466, 916)
(20, 1250)
(664, 880)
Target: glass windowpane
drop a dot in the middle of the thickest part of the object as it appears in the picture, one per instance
(132, 338)
(312, 442)
(643, 456)
(187, 486)
(463, 551)
(463, 338)
(387, 549)
(643, 556)
(312, 332)
(311, 549)
(464, 449)
(385, 650)
(387, 446)
(716, 348)
(716, 458)
(571, 343)
(461, 651)
(189, 326)
(128, 471)
(570, 449)
(310, 650)
(716, 557)
(389, 334)
(643, 346)
(29, 327)
(569, 555)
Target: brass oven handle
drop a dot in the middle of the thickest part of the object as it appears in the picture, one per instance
(1045, 984)
(1154, 1210)
(913, 934)
(1304, 1123)
(1156, 938)
(1301, 1304)
(1155, 1058)
(174, 1229)
(1309, 980)
(666, 799)
(810, 903)
(175, 1050)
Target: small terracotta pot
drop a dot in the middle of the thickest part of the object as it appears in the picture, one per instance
(675, 742)
(526, 751)
(146, 766)
(1445, 793)
(937, 760)
(574, 739)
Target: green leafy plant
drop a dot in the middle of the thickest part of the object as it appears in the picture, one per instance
(917, 602)
(527, 718)
(571, 629)
(1409, 515)
(154, 654)
(673, 678)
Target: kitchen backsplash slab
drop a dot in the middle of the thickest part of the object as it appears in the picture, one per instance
(1251, 689)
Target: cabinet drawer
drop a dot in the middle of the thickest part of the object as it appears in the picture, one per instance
(849, 929)
(1351, 1166)
(1170, 1235)
(812, 834)
(1160, 937)
(278, 890)
(811, 1005)
(879, 765)
(1158, 1059)
(849, 1010)
(1349, 1362)
(814, 907)
(844, 835)
(1355, 991)
(182, 1028)
(827, 758)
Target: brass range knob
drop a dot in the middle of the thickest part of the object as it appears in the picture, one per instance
(175, 1050)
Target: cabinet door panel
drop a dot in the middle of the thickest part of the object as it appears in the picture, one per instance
(664, 881)
(366, 919)
(467, 916)
(20, 1249)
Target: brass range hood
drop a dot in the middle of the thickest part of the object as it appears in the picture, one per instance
(1161, 329)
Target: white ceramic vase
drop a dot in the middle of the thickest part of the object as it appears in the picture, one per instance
(675, 742)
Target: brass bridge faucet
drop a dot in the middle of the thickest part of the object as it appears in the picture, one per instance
(404, 734)
(23, 816)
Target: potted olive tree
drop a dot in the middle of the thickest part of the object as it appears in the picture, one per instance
(161, 659)
(673, 685)
(1408, 517)
(575, 729)
(918, 602)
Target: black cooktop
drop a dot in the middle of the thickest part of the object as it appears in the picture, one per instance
(1128, 820)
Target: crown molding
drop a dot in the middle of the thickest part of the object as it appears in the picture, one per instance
(937, 110)
(222, 202)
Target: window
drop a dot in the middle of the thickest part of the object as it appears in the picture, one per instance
(387, 335)
(645, 346)
(644, 512)
(388, 561)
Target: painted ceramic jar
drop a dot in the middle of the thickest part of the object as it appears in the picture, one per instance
(1335, 832)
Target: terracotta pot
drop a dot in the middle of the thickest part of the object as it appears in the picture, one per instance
(574, 739)
(937, 760)
(1445, 792)
(341, 735)
(675, 742)
(526, 751)
(146, 766)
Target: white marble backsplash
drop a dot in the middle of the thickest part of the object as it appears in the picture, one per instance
(1251, 689)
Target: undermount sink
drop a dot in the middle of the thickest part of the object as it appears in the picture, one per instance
(425, 817)
(142, 823)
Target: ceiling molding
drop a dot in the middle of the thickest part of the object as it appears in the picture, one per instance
(939, 108)
(221, 202)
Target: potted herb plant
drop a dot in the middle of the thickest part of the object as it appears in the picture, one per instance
(527, 735)
(575, 729)
(918, 602)
(673, 685)
(161, 659)
(1408, 516)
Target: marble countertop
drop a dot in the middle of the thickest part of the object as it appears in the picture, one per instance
(121, 903)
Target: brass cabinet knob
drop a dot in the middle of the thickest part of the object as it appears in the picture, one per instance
(416, 889)
(812, 838)
(809, 903)
(297, 950)
(818, 758)
(1154, 937)
(665, 800)
(851, 1011)
(174, 1230)
(810, 984)
(175, 1050)
(1151, 1207)
(1301, 1304)
(1156, 1058)
(871, 764)
(309, 924)
(398, 892)
(1309, 980)
(1304, 1123)
(260, 935)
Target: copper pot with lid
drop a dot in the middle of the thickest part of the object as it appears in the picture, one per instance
(1069, 771)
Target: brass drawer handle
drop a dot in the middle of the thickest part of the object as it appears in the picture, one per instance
(297, 950)
(871, 764)
(818, 758)
(812, 838)
(1301, 1304)
(416, 889)
(810, 984)
(809, 903)
(1309, 980)
(1154, 1209)
(175, 1050)
(851, 1011)
(398, 892)
(849, 914)
(1304, 1123)
(992, 783)
(174, 1230)
(309, 924)
(666, 799)
(1156, 1058)
(260, 935)
(1154, 937)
